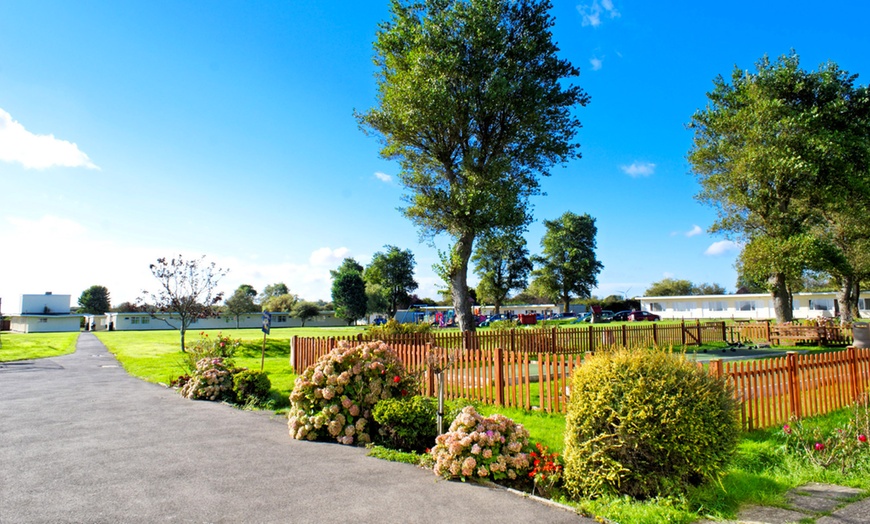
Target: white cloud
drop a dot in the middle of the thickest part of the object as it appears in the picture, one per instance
(326, 257)
(596, 63)
(639, 169)
(383, 177)
(721, 247)
(18, 145)
(696, 230)
(667, 274)
(592, 13)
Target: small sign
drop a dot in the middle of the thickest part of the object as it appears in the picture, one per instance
(267, 322)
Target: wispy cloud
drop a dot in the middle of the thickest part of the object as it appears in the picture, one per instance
(18, 145)
(695, 231)
(721, 247)
(327, 257)
(383, 177)
(593, 12)
(596, 63)
(639, 169)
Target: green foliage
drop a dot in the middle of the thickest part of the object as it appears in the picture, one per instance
(251, 385)
(645, 423)
(407, 423)
(394, 327)
(305, 311)
(504, 325)
(669, 287)
(274, 290)
(241, 302)
(842, 447)
(280, 303)
(393, 273)
(349, 291)
(503, 265)
(393, 455)
(209, 347)
(334, 397)
(95, 300)
(446, 67)
(492, 447)
(568, 267)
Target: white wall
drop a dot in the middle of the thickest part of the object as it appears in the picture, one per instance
(36, 304)
(749, 306)
(44, 323)
(143, 321)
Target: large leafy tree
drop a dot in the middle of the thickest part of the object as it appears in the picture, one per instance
(392, 272)
(473, 102)
(241, 302)
(501, 260)
(670, 287)
(305, 311)
(771, 149)
(274, 290)
(349, 291)
(284, 302)
(95, 300)
(187, 291)
(568, 267)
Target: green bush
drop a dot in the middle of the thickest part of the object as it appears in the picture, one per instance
(394, 327)
(251, 385)
(408, 423)
(646, 423)
(211, 380)
(334, 397)
(208, 347)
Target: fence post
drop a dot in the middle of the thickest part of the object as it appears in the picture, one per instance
(591, 338)
(794, 395)
(852, 355)
(293, 355)
(724, 338)
(499, 376)
(698, 330)
(430, 374)
(655, 335)
(554, 340)
(768, 330)
(683, 332)
(715, 368)
(624, 337)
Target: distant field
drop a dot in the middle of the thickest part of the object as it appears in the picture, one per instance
(26, 346)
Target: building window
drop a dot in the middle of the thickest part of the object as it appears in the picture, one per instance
(716, 306)
(134, 320)
(864, 303)
(684, 306)
(146, 320)
(822, 304)
(747, 305)
(282, 318)
(656, 306)
(43, 320)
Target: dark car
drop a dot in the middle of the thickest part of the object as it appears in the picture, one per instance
(643, 315)
(622, 316)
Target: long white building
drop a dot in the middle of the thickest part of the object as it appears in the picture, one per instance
(746, 306)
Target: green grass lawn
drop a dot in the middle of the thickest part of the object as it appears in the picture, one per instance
(26, 346)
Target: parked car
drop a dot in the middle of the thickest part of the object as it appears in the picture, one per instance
(643, 315)
(622, 316)
(584, 317)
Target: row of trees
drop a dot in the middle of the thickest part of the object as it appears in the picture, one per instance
(671, 287)
(783, 155)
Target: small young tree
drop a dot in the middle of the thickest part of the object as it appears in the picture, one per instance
(503, 265)
(349, 291)
(305, 311)
(280, 303)
(274, 290)
(188, 291)
(94, 300)
(393, 272)
(241, 302)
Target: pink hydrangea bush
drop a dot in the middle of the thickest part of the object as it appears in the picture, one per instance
(482, 447)
(211, 380)
(333, 398)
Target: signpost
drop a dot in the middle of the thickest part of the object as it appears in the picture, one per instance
(267, 326)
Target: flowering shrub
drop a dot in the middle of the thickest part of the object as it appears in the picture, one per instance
(484, 447)
(546, 469)
(211, 380)
(334, 397)
(210, 347)
(841, 447)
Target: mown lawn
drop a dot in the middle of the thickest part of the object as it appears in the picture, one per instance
(26, 346)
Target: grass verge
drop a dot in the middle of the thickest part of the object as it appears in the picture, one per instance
(27, 346)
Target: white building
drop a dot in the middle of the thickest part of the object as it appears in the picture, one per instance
(746, 306)
(144, 321)
(44, 314)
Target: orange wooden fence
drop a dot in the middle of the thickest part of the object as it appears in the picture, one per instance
(783, 334)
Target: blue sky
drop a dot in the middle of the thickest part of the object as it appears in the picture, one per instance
(135, 130)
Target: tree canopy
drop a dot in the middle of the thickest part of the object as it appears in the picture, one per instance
(501, 260)
(305, 311)
(274, 290)
(277, 303)
(95, 300)
(771, 149)
(474, 104)
(241, 302)
(672, 287)
(568, 267)
(392, 272)
(349, 291)
(187, 291)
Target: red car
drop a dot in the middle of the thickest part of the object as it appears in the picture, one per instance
(643, 315)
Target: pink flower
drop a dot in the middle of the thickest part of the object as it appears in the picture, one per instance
(862, 438)
(786, 429)
(819, 446)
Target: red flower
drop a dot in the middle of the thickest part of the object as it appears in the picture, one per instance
(397, 379)
(819, 446)
(862, 438)
(404, 392)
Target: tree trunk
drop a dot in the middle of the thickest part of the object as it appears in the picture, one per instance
(844, 298)
(497, 307)
(459, 282)
(781, 303)
(182, 338)
(856, 299)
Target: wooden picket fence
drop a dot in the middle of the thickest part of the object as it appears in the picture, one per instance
(770, 391)
(779, 334)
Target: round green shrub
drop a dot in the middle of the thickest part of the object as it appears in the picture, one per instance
(408, 423)
(334, 397)
(211, 380)
(251, 384)
(646, 423)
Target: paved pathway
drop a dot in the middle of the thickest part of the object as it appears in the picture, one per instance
(82, 441)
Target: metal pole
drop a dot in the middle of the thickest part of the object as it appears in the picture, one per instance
(441, 403)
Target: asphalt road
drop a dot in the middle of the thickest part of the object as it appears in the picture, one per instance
(82, 441)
